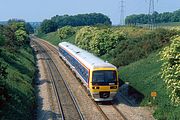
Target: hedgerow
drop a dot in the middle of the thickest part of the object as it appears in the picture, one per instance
(171, 69)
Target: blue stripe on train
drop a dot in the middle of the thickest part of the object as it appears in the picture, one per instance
(74, 62)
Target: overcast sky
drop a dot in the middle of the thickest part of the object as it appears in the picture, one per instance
(37, 10)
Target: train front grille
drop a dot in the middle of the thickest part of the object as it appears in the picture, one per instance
(104, 94)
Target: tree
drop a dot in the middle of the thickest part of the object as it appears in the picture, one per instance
(8, 38)
(77, 20)
(48, 26)
(65, 32)
(158, 18)
(98, 41)
(29, 28)
(16, 24)
(84, 36)
(21, 37)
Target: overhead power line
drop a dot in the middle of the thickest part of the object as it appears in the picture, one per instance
(122, 6)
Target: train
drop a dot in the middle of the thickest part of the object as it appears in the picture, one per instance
(99, 77)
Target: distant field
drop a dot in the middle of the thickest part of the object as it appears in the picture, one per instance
(171, 25)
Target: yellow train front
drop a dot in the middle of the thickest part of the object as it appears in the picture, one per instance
(99, 77)
(103, 83)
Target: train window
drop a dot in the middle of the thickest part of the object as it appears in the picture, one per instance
(106, 76)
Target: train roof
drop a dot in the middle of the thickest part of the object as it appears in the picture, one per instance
(88, 59)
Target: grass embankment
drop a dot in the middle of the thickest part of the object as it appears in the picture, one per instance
(144, 75)
(54, 39)
(19, 97)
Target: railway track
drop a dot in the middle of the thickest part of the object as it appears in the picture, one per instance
(68, 106)
(108, 111)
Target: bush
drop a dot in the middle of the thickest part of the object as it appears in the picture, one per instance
(66, 31)
(171, 69)
(21, 37)
(138, 46)
(84, 36)
(98, 41)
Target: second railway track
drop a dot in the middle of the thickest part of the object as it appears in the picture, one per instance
(68, 106)
(109, 112)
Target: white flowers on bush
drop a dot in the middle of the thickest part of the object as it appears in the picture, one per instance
(171, 69)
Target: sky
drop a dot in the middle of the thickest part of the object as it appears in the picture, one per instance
(38, 10)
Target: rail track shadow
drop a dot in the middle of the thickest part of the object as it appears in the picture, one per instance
(39, 112)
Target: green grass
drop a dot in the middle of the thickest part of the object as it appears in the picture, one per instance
(169, 25)
(144, 75)
(21, 70)
(54, 39)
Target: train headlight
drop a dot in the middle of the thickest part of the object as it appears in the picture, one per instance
(113, 87)
(95, 87)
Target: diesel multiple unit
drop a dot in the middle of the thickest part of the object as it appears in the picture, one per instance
(99, 77)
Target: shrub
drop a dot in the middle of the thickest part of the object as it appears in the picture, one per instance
(171, 69)
(98, 41)
(21, 37)
(84, 36)
(137, 47)
(65, 32)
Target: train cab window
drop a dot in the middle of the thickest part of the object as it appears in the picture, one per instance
(104, 76)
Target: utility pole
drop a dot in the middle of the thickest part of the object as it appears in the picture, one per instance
(151, 19)
(122, 21)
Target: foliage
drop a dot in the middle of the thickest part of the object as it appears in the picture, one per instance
(8, 38)
(77, 20)
(17, 88)
(54, 39)
(3, 76)
(144, 75)
(48, 26)
(21, 37)
(118, 45)
(138, 45)
(3, 73)
(2, 41)
(65, 32)
(16, 24)
(21, 30)
(171, 69)
(16, 59)
(29, 28)
(81, 20)
(35, 25)
(158, 18)
(98, 41)
(84, 35)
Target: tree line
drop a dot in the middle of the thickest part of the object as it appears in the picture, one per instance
(57, 21)
(155, 18)
(15, 33)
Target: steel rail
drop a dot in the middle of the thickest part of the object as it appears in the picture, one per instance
(53, 84)
(67, 87)
(54, 50)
